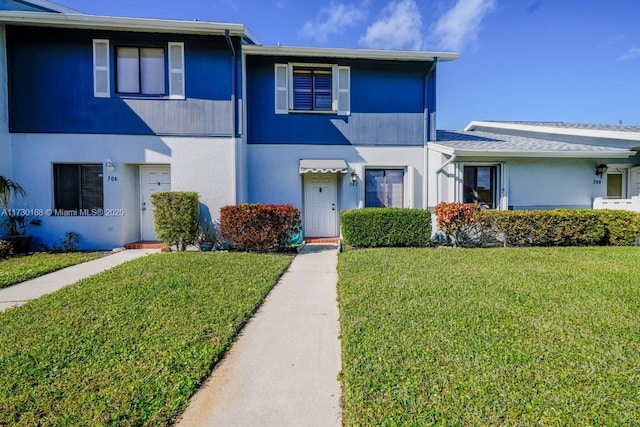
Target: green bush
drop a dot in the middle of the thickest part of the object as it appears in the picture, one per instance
(623, 227)
(377, 227)
(175, 217)
(565, 227)
(6, 249)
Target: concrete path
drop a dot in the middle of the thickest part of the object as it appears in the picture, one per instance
(26, 291)
(283, 369)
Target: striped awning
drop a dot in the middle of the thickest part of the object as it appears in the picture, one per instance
(323, 166)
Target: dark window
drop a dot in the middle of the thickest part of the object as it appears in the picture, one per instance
(140, 70)
(312, 89)
(384, 188)
(78, 188)
(480, 185)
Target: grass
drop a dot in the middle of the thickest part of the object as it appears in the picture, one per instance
(20, 268)
(546, 336)
(128, 346)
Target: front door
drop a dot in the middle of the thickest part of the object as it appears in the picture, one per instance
(152, 179)
(320, 205)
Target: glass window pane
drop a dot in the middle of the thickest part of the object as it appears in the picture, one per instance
(66, 183)
(91, 186)
(374, 188)
(614, 185)
(302, 92)
(322, 92)
(127, 70)
(152, 71)
(394, 188)
(479, 185)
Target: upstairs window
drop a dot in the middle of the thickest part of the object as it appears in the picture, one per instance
(140, 70)
(312, 89)
(137, 70)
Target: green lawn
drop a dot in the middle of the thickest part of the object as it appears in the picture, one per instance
(20, 268)
(131, 345)
(545, 336)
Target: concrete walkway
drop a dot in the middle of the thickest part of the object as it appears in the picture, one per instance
(26, 291)
(283, 369)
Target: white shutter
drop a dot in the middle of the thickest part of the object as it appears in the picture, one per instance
(101, 77)
(343, 98)
(281, 72)
(176, 70)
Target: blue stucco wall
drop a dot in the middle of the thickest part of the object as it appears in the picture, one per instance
(50, 78)
(387, 106)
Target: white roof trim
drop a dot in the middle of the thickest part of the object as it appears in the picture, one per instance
(115, 23)
(323, 166)
(323, 52)
(593, 133)
(576, 154)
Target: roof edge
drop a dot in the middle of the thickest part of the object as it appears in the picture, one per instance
(117, 23)
(324, 52)
(593, 133)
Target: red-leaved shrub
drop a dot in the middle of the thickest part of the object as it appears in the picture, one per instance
(258, 227)
(460, 222)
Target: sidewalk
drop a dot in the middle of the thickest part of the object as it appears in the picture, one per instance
(31, 289)
(283, 369)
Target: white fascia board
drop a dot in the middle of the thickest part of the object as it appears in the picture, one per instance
(114, 23)
(617, 154)
(441, 148)
(323, 52)
(592, 133)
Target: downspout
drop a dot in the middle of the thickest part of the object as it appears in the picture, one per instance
(239, 170)
(440, 169)
(429, 102)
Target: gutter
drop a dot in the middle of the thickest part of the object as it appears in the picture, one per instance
(233, 83)
(426, 137)
(444, 165)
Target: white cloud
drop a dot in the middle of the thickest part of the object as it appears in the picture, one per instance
(632, 53)
(333, 20)
(399, 27)
(461, 23)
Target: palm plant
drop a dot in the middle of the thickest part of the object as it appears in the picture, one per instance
(10, 189)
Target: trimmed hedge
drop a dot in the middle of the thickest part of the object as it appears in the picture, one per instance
(379, 227)
(623, 227)
(175, 217)
(259, 227)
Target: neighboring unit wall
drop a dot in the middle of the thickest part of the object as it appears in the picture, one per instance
(55, 67)
(5, 137)
(204, 165)
(386, 105)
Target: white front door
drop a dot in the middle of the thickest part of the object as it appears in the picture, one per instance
(152, 179)
(320, 205)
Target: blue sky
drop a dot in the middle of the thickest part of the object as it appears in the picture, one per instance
(543, 60)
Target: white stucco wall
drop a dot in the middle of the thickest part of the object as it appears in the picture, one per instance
(274, 177)
(5, 137)
(204, 165)
(533, 183)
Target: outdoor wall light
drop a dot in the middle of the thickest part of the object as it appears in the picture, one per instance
(109, 164)
(354, 179)
(601, 169)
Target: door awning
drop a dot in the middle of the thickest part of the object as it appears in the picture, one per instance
(323, 166)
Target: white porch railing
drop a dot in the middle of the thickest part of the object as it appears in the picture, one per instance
(632, 204)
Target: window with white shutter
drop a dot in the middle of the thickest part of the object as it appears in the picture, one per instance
(344, 88)
(101, 76)
(176, 71)
(282, 85)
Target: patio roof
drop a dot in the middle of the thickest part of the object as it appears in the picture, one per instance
(485, 144)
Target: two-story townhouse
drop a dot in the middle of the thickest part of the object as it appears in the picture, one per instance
(100, 112)
(335, 129)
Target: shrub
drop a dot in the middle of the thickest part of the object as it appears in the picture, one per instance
(622, 227)
(6, 249)
(259, 227)
(175, 217)
(562, 227)
(463, 224)
(375, 227)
